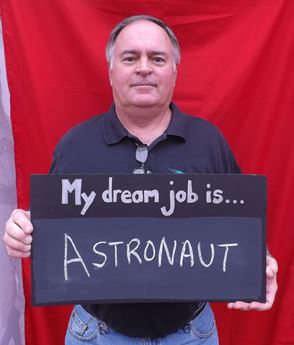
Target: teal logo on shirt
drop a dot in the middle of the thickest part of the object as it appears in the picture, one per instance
(175, 171)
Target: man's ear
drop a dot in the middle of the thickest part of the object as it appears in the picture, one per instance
(176, 73)
(110, 74)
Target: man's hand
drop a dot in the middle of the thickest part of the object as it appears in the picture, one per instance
(271, 289)
(17, 236)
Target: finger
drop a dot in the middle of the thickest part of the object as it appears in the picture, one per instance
(13, 244)
(271, 291)
(14, 231)
(260, 306)
(239, 305)
(270, 297)
(22, 219)
(17, 254)
(271, 267)
(248, 306)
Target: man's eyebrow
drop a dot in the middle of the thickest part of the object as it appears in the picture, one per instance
(136, 52)
(129, 51)
(158, 52)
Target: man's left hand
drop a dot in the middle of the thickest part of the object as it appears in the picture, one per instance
(271, 289)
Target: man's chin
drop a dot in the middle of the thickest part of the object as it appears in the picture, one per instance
(145, 102)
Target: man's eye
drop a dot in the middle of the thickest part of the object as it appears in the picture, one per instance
(159, 60)
(129, 59)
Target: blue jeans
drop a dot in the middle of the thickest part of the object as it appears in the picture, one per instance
(85, 329)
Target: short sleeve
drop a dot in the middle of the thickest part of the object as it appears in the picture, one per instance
(57, 163)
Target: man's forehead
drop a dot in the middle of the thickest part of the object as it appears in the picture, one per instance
(142, 31)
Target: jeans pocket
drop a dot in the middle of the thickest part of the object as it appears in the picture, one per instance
(82, 325)
(203, 326)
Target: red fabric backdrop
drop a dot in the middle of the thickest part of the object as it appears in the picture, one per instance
(237, 71)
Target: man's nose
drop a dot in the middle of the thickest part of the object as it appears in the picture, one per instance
(143, 67)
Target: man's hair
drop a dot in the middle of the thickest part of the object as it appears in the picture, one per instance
(129, 20)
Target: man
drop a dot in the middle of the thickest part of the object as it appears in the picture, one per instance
(143, 132)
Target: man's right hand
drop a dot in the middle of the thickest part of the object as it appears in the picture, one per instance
(17, 237)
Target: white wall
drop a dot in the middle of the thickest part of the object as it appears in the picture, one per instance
(11, 292)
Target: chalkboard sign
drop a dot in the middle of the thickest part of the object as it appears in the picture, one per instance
(148, 238)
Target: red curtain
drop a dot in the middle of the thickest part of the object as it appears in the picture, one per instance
(237, 71)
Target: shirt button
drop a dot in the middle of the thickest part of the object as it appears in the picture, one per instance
(103, 328)
(187, 328)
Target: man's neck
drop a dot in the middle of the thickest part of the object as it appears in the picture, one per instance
(147, 124)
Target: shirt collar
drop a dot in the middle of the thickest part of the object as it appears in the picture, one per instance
(178, 125)
(114, 131)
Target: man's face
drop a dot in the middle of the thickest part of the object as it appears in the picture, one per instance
(142, 70)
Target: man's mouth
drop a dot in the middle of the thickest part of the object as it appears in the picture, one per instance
(143, 84)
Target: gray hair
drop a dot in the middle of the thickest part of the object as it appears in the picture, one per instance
(129, 20)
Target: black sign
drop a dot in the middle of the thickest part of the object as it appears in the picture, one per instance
(143, 238)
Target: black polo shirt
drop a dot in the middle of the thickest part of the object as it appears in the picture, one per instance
(103, 145)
